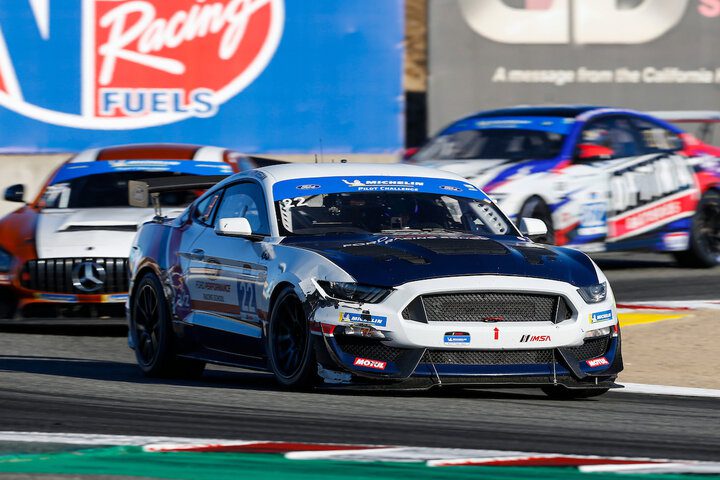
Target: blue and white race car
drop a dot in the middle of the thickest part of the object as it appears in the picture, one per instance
(602, 179)
(357, 275)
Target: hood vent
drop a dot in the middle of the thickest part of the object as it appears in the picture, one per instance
(382, 252)
(454, 246)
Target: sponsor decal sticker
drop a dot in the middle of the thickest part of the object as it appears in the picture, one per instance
(455, 338)
(676, 241)
(55, 297)
(350, 317)
(307, 187)
(534, 338)
(368, 363)
(604, 316)
(116, 298)
(452, 189)
(597, 362)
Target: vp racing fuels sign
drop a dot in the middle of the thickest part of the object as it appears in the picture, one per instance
(250, 75)
(148, 62)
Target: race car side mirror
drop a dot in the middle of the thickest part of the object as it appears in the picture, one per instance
(533, 227)
(589, 151)
(236, 227)
(15, 193)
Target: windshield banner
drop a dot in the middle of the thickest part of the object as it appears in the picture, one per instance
(306, 187)
(557, 125)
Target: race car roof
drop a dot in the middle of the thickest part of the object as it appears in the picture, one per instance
(565, 111)
(318, 170)
(152, 151)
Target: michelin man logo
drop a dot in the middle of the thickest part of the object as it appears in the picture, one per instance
(573, 21)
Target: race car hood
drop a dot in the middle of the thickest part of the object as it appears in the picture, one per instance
(88, 232)
(391, 260)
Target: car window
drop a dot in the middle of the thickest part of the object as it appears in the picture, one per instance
(204, 209)
(655, 138)
(510, 144)
(245, 200)
(615, 133)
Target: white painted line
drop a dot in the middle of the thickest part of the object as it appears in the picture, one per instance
(705, 468)
(668, 390)
(92, 439)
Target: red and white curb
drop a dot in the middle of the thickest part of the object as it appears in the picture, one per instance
(432, 457)
(675, 305)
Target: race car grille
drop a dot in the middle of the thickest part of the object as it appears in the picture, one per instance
(372, 349)
(592, 348)
(488, 357)
(490, 307)
(55, 275)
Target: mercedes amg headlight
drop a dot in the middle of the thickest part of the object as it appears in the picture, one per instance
(354, 292)
(5, 261)
(594, 293)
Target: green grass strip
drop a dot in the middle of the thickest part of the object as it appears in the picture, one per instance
(133, 461)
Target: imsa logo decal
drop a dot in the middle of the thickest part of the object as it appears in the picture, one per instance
(140, 63)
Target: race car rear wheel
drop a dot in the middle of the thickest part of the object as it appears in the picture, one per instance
(290, 343)
(704, 249)
(152, 333)
(535, 207)
(559, 392)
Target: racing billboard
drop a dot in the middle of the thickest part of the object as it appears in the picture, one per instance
(644, 54)
(253, 75)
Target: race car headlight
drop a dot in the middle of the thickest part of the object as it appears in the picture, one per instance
(600, 332)
(594, 293)
(354, 292)
(5, 261)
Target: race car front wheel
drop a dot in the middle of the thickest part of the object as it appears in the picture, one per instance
(704, 248)
(559, 392)
(152, 333)
(290, 343)
(535, 207)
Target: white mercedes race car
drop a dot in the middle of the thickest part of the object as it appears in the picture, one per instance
(358, 275)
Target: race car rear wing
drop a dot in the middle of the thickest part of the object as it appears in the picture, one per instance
(144, 193)
(704, 118)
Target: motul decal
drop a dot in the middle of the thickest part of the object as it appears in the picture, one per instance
(368, 363)
(597, 362)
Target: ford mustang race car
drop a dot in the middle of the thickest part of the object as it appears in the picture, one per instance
(601, 179)
(64, 254)
(340, 275)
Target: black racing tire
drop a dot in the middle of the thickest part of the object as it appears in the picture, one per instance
(559, 392)
(290, 344)
(704, 251)
(535, 207)
(8, 304)
(152, 334)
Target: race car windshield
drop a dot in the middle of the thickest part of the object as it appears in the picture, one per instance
(389, 212)
(107, 190)
(493, 143)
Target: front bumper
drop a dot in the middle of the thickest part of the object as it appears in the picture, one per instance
(491, 352)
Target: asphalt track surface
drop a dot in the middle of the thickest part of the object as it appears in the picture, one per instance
(64, 380)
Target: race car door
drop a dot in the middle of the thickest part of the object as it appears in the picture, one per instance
(634, 173)
(230, 276)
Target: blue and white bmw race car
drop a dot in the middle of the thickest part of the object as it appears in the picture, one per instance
(357, 275)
